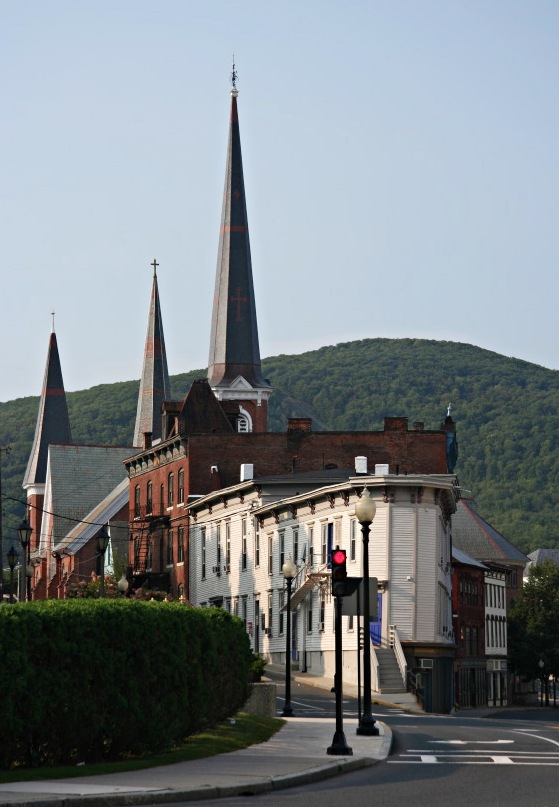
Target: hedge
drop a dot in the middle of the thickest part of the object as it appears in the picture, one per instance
(90, 680)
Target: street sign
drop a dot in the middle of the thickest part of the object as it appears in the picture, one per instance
(349, 601)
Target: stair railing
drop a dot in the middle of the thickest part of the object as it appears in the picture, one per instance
(375, 682)
(399, 653)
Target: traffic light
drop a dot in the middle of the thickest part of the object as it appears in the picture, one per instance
(339, 571)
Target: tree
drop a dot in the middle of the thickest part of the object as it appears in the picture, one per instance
(534, 627)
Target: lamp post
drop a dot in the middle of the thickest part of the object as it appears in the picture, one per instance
(122, 585)
(12, 560)
(541, 665)
(289, 570)
(24, 531)
(103, 539)
(365, 510)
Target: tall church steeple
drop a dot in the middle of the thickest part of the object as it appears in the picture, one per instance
(154, 384)
(234, 370)
(53, 426)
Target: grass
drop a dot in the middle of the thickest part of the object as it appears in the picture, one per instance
(231, 735)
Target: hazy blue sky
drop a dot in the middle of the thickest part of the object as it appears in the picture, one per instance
(401, 169)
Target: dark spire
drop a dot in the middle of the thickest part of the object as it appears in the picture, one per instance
(234, 349)
(53, 423)
(154, 384)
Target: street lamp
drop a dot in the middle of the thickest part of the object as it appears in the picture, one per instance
(365, 510)
(103, 539)
(541, 665)
(122, 585)
(289, 570)
(24, 531)
(12, 560)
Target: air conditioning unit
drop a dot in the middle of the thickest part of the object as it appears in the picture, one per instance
(227, 569)
(426, 663)
(267, 632)
(216, 570)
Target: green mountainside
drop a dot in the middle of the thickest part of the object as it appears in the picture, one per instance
(506, 414)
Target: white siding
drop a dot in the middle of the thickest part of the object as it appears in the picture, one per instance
(402, 562)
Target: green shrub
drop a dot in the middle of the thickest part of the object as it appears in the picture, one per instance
(86, 680)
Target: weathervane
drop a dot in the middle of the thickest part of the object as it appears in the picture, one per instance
(52, 315)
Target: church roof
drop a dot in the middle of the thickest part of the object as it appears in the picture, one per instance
(477, 538)
(79, 535)
(154, 384)
(234, 349)
(53, 423)
(78, 478)
(201, 412)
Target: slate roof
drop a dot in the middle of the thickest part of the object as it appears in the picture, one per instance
(476, 537)
(78, 478)
(540, 556)
(155, 386)
(461, 557)
(53, 423)
(101, 514)
(234, 349)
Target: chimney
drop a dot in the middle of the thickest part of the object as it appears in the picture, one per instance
(247, 471)
(299, 424)
(361, 465)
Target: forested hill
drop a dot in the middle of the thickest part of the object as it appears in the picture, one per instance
(506, 414)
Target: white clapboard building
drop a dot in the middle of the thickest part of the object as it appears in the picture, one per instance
(240, 537)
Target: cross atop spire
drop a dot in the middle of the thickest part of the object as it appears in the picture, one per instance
(155, 265)
(234, 76)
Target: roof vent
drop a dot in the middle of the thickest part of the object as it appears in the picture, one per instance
(361, 465)
(247, 471)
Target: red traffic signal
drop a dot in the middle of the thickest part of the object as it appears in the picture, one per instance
(339, 571)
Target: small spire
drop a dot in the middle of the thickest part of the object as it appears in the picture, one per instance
(52, 315)
(155, 265)
(234, 76)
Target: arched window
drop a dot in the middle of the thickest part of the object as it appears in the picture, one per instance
(170, 491)
(244, 421)
(180, 498)
(137, 501)
(149, 503)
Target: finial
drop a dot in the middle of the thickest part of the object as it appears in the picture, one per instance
(155, 265)
(52, 315)
(234, 76)
(448, 411)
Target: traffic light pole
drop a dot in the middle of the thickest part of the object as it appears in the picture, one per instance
(339, 745)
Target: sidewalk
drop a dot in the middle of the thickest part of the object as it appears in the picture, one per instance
(294, 755)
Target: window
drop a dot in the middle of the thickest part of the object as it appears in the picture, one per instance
(311, 550)
(137, 501)
(295, 544)
(257, 548)
(309, 614)
(324, 544)
(244, 608)
(149, 504)
(281, 603)
(149, 553)
(161, 498)
(281, 548)
(352, 538)
(137, 545)
(181, 487)
(170, 490)
(180, 546)
(270, 555)
(228, 547)
(244, 544)
(169, 547)
(321, 617)
(218, 547)
(228, 604)
(270, 611)
(203, 551)
(350, 622)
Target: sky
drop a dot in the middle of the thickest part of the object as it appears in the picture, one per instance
(401, 163)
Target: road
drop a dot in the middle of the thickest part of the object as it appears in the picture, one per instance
(508, 761)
